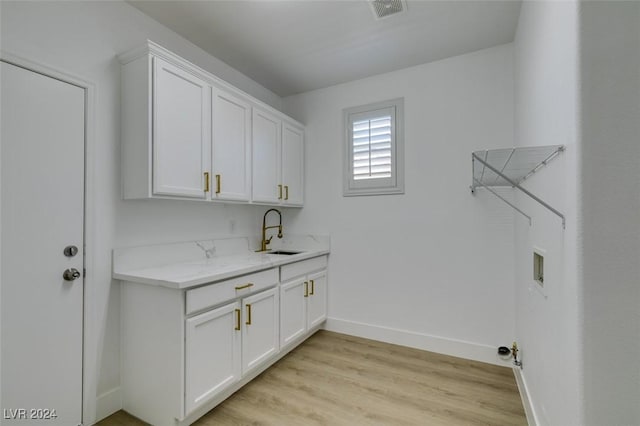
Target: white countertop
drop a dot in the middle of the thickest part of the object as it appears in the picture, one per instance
(185, 265)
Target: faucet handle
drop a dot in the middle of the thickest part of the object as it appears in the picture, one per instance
(269, 240)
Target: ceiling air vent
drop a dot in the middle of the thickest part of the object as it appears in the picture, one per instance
(385, 8)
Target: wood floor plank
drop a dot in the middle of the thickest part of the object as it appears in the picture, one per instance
(335, 379)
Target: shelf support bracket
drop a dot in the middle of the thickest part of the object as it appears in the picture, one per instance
(479, 184)
(515, 185)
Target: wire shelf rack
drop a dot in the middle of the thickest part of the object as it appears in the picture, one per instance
(509, 167)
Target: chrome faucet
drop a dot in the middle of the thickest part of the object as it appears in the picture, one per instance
(265, 242)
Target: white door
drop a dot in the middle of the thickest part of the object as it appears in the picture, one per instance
(293, 310)
(181, 131)
(260, 335)
(212, 354)
(317, 300)
(293, 165)
(231, 147)
(267, 187)
(42, 187)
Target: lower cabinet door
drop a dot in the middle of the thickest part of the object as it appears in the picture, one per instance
(260, 335)
(293, 310)
(212, 354)
(317, 300)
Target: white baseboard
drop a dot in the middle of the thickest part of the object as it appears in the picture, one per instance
(526, 398)
(108, 403)
(442, 345)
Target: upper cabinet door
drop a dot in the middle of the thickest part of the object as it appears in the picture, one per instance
(292, 165)
(231, 147)
(181, 131)
(267, 186)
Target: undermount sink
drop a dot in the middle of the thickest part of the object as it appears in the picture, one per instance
(284, 252)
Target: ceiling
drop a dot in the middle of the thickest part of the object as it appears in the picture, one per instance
(296, 46)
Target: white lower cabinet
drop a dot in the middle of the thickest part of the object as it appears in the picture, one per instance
(260, 329)
(317, 299)
(303, 305)
(185, 351)
(293, 312)
(212, 354)
(227, 343)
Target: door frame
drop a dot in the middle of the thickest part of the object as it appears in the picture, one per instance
(90, 325)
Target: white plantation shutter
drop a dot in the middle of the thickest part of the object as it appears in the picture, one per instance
(374, 149)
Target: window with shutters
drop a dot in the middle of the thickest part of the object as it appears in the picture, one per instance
(374, 149)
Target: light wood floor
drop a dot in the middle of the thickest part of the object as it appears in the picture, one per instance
(334, 379)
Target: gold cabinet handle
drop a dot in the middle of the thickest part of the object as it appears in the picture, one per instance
(306, 289)
(248, 314)
(206, 181)
(279, 192)
(241, 287)
(313, 287)
(217, 184)
(286, 192)
(238, 319)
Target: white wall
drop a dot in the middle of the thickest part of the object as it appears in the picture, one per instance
(548, 326)
(578, 83)
(433, 267)
(83, 38)
(610, 127)
(435, 263)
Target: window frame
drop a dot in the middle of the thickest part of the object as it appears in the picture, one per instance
(376, 186)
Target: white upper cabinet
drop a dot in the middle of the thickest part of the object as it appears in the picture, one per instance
(266, 157)
(186, 134)
(292, 164)
(181, 126)
(278, 161)
(231, 147)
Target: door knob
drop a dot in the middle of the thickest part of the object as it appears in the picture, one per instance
(71, 274)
